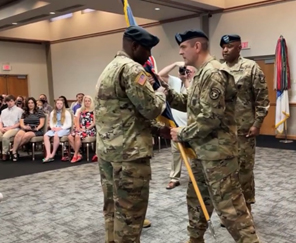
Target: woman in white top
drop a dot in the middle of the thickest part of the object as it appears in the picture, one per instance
(60, 125)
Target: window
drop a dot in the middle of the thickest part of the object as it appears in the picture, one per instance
(65, 16)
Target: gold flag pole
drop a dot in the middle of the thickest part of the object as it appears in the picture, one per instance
(196, 189)
(286, 134)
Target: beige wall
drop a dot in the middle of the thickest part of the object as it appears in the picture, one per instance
(234, 3)
(78, 64)
(35, 31)
(29, 59)
(262, 27)
(81, 24)
(89, 23)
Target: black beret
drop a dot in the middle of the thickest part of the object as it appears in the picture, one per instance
(190, 34)
(141, 36)
(226, 39)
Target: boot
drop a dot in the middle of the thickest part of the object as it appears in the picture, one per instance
(146, 224)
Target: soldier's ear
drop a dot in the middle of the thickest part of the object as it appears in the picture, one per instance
(135, 46)
(239, 47)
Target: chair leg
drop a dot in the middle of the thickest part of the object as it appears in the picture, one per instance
(166, 143)
(69, 151)
(87, 151)
(63, 147)
(159, 144)
(33, 151)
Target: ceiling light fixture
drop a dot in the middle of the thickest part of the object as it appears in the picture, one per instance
(157, 9)
(52, 13)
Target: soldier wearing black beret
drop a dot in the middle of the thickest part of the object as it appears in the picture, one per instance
(141, 36)
(138, 43)
(125, 105)
(227, 39)
(251, 109)
(190, 34)
(211, 132)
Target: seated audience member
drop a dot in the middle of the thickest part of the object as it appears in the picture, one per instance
(3, 104)
(40, 104)
(84, 127)
(60, 124)
(19, 104)
(65, 101)
(46, 107)
(66, 155)
(20, 99)
(31, 124)
(9, 124)
(77, 104)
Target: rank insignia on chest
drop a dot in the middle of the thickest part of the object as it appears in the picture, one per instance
(215, 93)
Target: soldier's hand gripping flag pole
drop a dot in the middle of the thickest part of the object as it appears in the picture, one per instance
(168, 120)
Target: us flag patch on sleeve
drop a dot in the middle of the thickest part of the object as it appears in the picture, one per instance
(141, 79)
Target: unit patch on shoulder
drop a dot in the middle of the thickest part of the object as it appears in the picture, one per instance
(215, 93)
(141, 79)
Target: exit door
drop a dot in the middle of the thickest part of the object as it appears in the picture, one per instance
(16, 85)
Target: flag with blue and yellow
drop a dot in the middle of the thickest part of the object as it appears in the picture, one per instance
(150, 67)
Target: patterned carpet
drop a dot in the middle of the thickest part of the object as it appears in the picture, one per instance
(65, 205)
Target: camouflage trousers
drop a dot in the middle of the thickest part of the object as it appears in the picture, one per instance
(246, 160)
(126, 191)
(219, 185)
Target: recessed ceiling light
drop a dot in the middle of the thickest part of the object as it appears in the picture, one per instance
(14, 23)
(52, 13)
(157, 9)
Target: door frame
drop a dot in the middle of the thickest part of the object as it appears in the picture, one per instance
(26, 75)
(3, 74)
(263, 57)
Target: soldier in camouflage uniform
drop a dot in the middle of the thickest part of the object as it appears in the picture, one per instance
(125, 105)
(251, 108)
(211, 132)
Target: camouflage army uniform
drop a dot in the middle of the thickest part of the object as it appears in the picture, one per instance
(125, 105)
(211, 132)
(251, 109)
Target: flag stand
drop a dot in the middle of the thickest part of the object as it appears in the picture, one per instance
(286, 135)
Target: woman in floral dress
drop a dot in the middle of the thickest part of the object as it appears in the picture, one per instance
(84, 126)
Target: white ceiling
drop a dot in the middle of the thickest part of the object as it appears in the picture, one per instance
(29, 11)
(25, 12)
